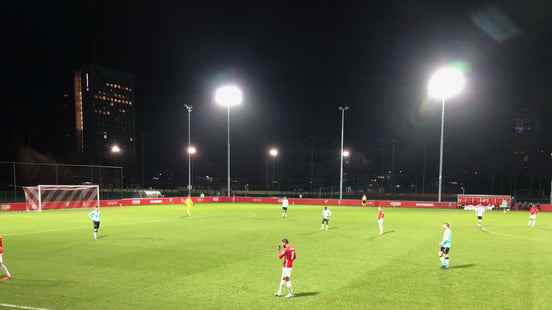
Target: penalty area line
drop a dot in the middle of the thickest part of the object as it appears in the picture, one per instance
(21, 307)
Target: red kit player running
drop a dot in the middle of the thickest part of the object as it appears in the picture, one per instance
(286, 253)
(381, 216)
(533, 215)
(2, 265)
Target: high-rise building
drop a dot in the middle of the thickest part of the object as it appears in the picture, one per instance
(105, 116)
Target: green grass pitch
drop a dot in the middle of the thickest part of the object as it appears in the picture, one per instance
(224, 257)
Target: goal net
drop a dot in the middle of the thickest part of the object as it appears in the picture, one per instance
(42, 197)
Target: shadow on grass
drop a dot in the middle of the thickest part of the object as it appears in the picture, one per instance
(461, 266)
(306, 294)
(388, 232)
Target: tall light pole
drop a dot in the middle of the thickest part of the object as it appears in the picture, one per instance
(116, 150)
(189, 110)
(273, 153)
(445, 83)
(342, 109)
(191, 150)
(228, 95)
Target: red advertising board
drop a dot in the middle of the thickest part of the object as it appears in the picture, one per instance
(129, 202)
(494, 200)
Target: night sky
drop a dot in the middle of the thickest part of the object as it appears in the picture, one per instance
(296, 65)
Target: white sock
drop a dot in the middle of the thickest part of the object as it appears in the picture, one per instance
(281, 287)
(6, 271)
(442, 259)
(289, 287)
(95, 235)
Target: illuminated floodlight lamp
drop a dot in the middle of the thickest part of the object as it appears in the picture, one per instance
(115, 149)
(446, 83)
(273, 152)
(228, 95)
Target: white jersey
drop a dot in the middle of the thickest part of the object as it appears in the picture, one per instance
(285, 204)
(364, 197)
(480, 210)
(326, 214)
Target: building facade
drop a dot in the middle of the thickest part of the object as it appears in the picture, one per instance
(105, 116)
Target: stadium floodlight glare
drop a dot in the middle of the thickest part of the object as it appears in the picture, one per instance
(115, 149)
(228, 95)
(346, 153)
(192, 150)
(273, 152)
(444, 84)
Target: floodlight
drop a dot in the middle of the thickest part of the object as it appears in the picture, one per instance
(445, 83)
(228, 95)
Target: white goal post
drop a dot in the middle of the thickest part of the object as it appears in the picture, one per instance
(61, 196)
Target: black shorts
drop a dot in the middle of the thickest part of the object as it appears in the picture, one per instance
(364, 202)
(284, 209)
(96, 224)
(479, 217)
(325, 221)
(445, 250)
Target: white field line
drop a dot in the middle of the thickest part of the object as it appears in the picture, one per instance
(78, 228)
(21, 307)
(124, 224)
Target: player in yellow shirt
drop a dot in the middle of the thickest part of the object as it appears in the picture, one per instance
(189, 204)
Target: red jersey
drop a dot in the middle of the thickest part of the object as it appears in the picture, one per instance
(532, 211)
(287, 255)
(381, 215)
(1, 246)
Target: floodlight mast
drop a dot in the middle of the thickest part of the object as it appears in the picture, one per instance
(228, 96)
(445, 83)
(342, 109)
(274, 153)
(189, 110)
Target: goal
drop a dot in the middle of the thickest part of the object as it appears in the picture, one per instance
(43, 197)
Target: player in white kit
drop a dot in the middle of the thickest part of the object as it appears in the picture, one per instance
(285, 206)
(480, 211)
(326, 214)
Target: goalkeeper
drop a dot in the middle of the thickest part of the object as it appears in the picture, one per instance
(189, 204)
(95, 217)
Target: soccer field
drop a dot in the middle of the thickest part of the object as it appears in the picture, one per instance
(224, 257)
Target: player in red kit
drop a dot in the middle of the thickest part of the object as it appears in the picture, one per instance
(286, 253)
(2, 265)
(533, 215)
(381, 216)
